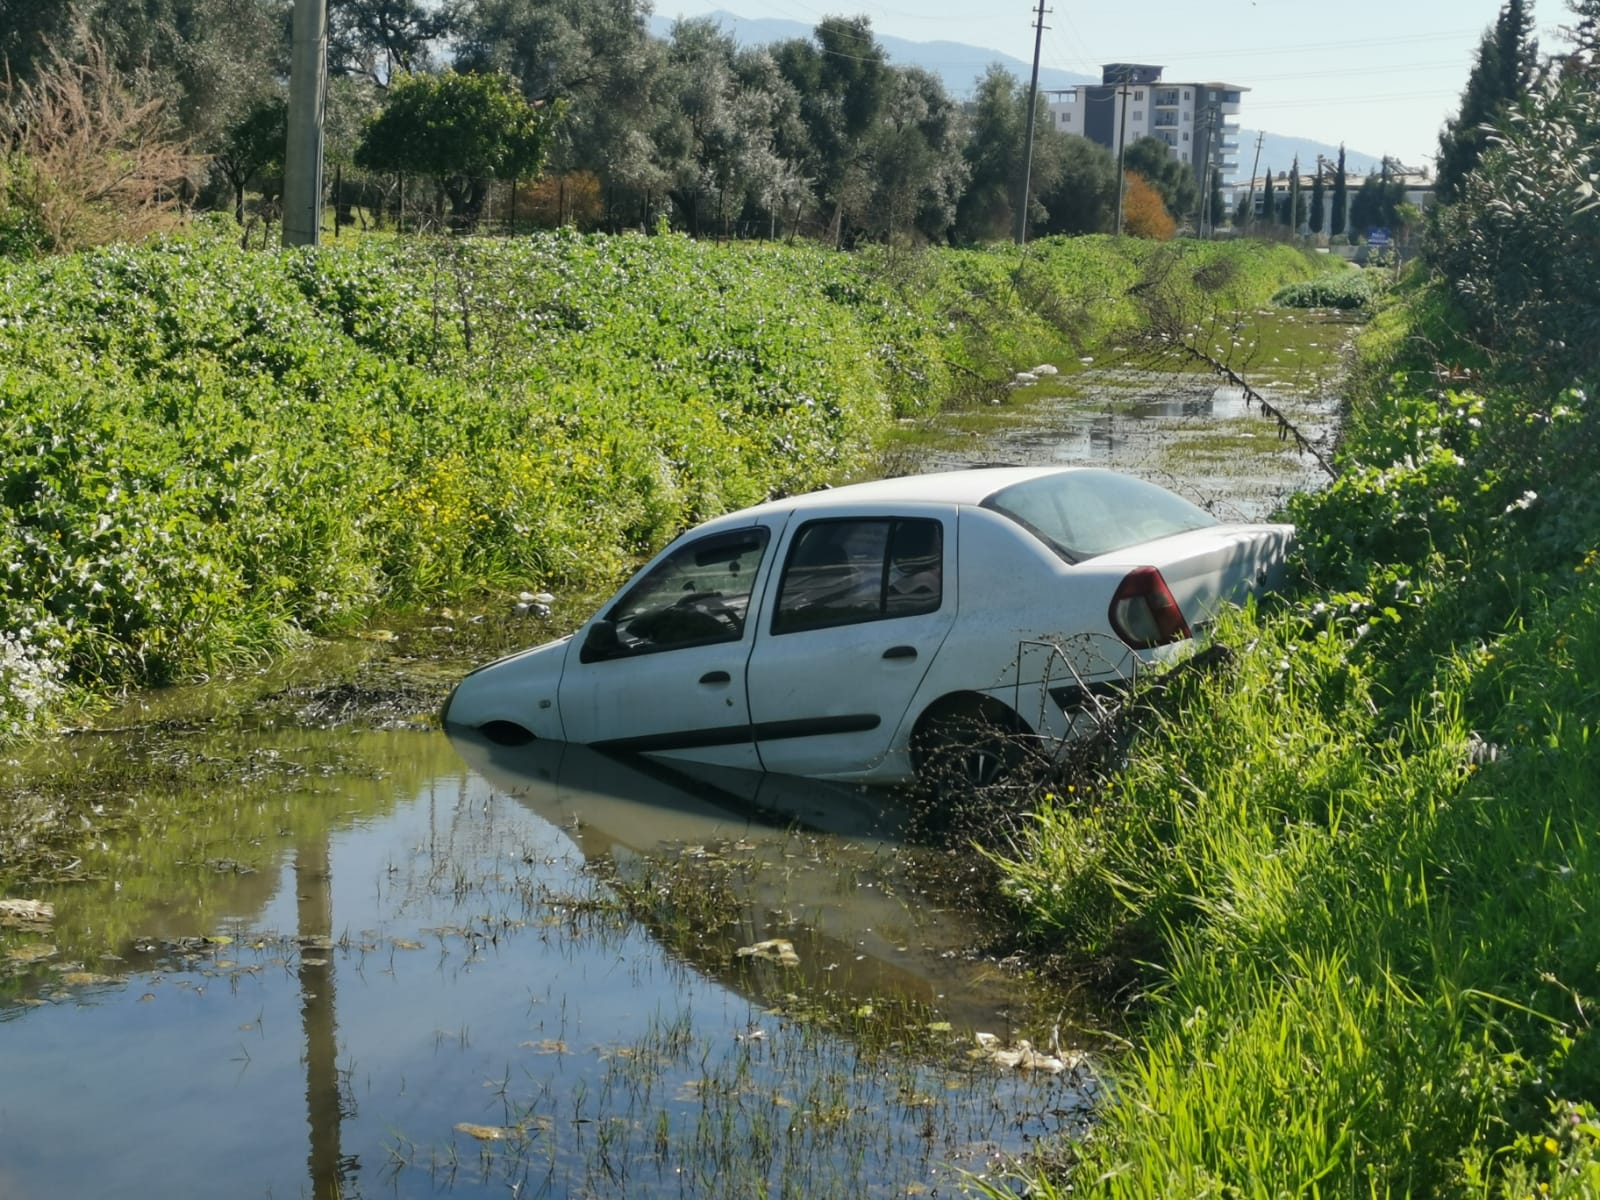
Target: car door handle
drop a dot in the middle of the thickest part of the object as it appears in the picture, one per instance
(716, 677)
(900, 652)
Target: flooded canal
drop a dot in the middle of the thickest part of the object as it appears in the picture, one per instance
(1152, 414)
(355, 960)
(306, 944)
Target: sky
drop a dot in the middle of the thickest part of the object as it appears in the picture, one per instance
(1381, 76)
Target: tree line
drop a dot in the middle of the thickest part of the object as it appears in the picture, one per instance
(820, 135)
(575, 112)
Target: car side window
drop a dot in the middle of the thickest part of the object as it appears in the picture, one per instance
(698, 595)
(845, 572)
(916, 569)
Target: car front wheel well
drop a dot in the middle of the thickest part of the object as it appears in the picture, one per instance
(506, 733)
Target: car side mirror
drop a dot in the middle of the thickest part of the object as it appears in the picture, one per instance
(600, 642)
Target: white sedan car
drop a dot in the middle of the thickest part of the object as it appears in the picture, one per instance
(887, 630)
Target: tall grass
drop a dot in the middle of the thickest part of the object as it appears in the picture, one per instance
(1352, 879)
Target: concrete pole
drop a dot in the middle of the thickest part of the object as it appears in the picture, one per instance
(302, 165)
(1250, 205)
(1122, 94)
(1027, 136)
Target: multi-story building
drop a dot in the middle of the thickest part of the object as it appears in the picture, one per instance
(1197, 121)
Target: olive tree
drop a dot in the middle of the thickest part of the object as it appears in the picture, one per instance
(252, 146)
(461, 131)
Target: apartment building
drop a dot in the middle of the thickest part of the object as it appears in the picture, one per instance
(1197, 121)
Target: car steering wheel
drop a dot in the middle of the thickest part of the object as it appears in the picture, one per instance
(712, 605)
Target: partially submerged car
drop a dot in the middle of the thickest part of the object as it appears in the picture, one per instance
(887, 630)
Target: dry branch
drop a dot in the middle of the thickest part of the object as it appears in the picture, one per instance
(86, 158)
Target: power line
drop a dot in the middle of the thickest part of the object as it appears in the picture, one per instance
(1381, 69)
(1347, 101)
(1352, 44)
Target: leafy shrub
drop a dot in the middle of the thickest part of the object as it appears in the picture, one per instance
(1341, 289)
(1522, 247)
(1145, 214)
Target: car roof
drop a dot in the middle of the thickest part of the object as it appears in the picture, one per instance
(969, 486)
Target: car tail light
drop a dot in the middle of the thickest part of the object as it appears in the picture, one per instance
(1143, 612)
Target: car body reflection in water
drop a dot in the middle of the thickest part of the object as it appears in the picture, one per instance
(415, 977)
(821, 865)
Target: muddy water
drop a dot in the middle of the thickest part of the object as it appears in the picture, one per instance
(1152, 414)
(297, 942)
(357, 959)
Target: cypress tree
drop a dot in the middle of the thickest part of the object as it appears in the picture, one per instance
(1585, 33)
(1366, 210)
(1296, 206)
(1507, 55)
(1269, 212)
(1341, 199)
(1518, 50)
(1319, 191)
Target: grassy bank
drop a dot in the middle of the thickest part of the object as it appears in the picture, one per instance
(204, 452)
(1350, 883)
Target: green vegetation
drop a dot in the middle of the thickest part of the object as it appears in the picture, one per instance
(204, 452)
(463, 130)
(818, 136)
(1358, 866)
(1344, 289)
(1507, 62)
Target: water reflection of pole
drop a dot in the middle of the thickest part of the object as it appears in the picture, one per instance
(314, 906)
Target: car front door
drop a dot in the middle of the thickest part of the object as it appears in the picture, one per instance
(853, 622)
(661, 669)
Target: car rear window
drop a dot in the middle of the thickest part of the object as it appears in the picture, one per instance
(842, 572)
(1080, 514)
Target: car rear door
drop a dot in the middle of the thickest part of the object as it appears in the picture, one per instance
(850, 625)
(661, 669)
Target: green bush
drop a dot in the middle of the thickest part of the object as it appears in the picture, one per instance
(1343, 289)
(1519, 247)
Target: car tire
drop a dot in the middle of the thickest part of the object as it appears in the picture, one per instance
(961, 751)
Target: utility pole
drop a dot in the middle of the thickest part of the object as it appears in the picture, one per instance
(1208, 176)
(1122, 138)
(1250, 206)
(302, 162)
(1027, 136)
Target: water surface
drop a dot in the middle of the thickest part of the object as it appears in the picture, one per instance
(356, 961)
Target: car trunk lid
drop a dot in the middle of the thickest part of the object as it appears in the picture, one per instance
(1201, 570)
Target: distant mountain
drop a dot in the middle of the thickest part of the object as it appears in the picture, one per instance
(960, 66)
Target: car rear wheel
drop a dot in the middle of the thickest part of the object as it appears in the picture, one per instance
(961, 749)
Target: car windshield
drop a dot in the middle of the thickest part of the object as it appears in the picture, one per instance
(1080, 514)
